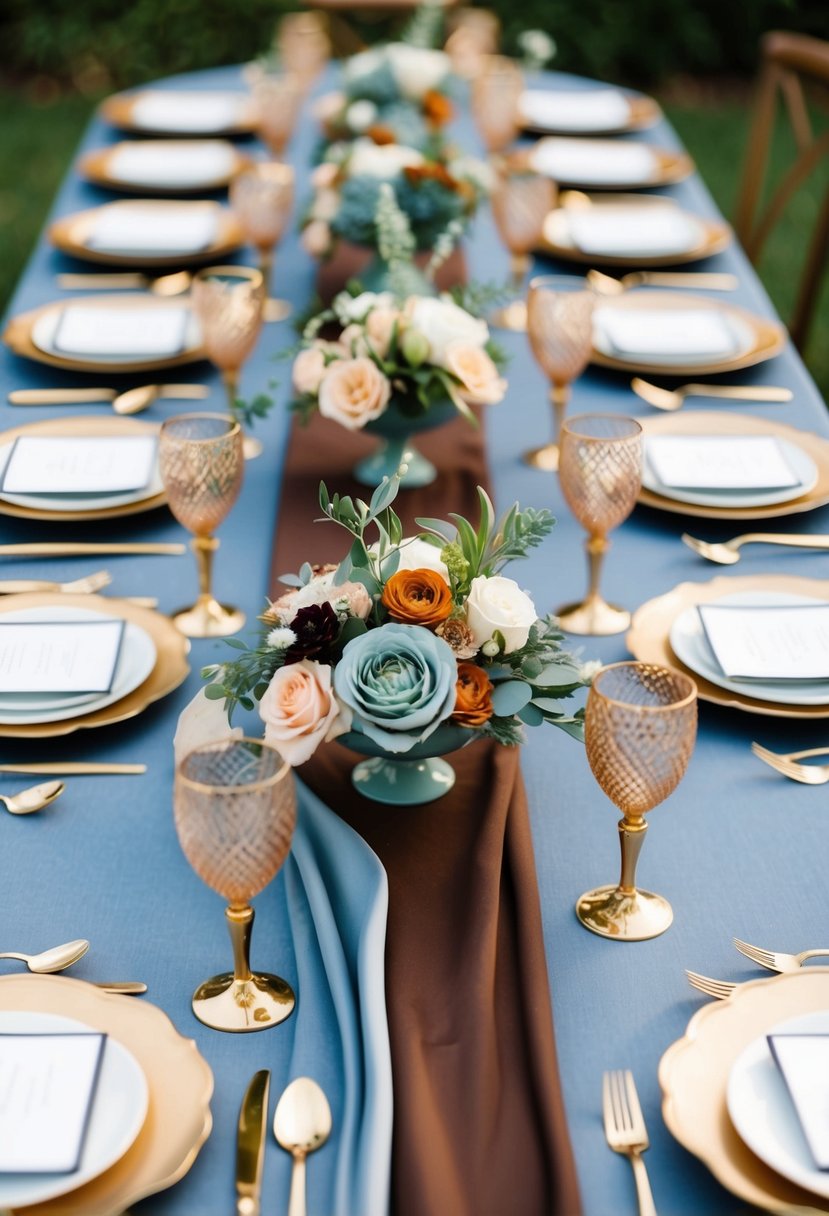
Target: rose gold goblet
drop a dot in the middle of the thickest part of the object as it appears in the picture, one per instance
(494, 99)
(262, 195)
(600, 473)
(640, 729)
(473, 34)
(521, 202)
(235, 811)
(303, 42)
(201, 463)
(560, 329)
(228, 302)
(278, 98)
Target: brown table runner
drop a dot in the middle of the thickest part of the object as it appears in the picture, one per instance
(479, 1125)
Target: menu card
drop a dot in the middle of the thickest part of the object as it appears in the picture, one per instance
(765, 642)
(720, 462)
(803, 1060)
(597, 161)
(92, 464)
(147, 228)
(675, 332)
(126, 332)
(172, 111)
(47, 1089)
(59, 656)
(172, 165)
(575, 109)
(629, 231)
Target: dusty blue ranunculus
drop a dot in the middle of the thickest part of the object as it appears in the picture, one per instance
(400, 682)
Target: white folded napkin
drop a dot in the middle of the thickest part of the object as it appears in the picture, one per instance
(574, 109)
(594, 161)
(71, 464)
(803, 1060)
(720, 462)
(157, 110)
(178, 165)
(92, 330)
(675, 333)
(150, 228)
(765, 642)
(630, 231)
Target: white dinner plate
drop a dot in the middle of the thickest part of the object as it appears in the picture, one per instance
(118, 1113)
(46, 325)
(136, 661)
(797, 457)
(690, 645)
(677, 233)
(743, 342)
(77, 502)
(762, 1110)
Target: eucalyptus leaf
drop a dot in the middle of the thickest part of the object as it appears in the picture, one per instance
(531, 714)
(510, 697)
(372, 586)
(440, 526)
(214, 692)
(354, 627)
(557, 675)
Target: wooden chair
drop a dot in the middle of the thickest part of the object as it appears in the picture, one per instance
(788, 62)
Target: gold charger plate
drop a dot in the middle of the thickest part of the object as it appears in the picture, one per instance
(119, 110)
(71, 232)
(643, 112)
(669, 168)
(649, 637)
(767, 338)
(18, 337)
(171, 666)
(693, 1075)
(180, 1083)
(716, 234)
(96, 167)
(74, 427)
(713, 422)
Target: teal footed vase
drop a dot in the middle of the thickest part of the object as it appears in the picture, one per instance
(407, 778)
(395, 430)
(408, 279)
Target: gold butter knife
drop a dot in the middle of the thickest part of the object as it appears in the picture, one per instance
(125, 987)
(250, 1144)
(74, 768)
(60, 396)
(49, 548)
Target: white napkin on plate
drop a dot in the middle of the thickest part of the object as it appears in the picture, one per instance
(92, 330)
(183, 165)
(173, 111)
(669, 334)
(630, 231)
(149, 228)
(594, 161)
(574, 109)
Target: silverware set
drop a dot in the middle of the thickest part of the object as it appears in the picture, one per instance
(772, 960)
(59, 958)
(625, 1131)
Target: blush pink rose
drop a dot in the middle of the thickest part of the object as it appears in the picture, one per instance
(316, 238)
(380, 324)
(479, 380)
(353, 392)
(300, 711)
(309, 369)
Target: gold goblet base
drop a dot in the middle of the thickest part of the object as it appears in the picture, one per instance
(207, 618)
(251, 448)
(545, 458)
(624, 915)
(276, 310)
(593, 618)
(512, 316)
(242, 1006)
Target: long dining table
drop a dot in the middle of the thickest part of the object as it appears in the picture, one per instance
(737, 849)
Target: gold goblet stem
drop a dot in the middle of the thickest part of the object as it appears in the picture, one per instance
(242, 1001)
(631, 838)
(596, 547)
(207, 618)
(204, 547)
(251, 447)
(594, 617)
(272, 309)
(519, 265)
(266, 266)
(240, 927)
(546, 457)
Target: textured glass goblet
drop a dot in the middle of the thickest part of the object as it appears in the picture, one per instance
(235, 810)
(521, 202)
(560, 329)
(278, 98)
(303, 42)
(262, 196)
(640, 729)
(474, 34)
(201, 462)
(600, 473)
(494, 99)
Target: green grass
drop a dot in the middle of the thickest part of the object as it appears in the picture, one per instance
(37, 142)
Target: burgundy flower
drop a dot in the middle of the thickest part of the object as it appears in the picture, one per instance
(317, 629)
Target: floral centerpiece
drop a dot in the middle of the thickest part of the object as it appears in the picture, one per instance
(409, 649)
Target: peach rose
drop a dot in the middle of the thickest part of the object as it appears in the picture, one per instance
(417, 597)
(353, 392)
(353, 341)
(473, 706)
(324, 176)
(380, 324)
(300, 711)
(309, 369)
(478, 375)
(316, 238)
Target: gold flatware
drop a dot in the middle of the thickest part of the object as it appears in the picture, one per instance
(142, 601)
(175, 284)
(74, 768)
(301, 1123)
(124, 987)
(80, 586)
(33, 799)
(726, 552)
(131, 401)
(777, 960)
(134, 400)
(60, 396)
(625, 1131)
(673, 399)
(250, 1144)
(610, 286)
(786, 763)
(83, 549)
(719, 989)
(49, 961)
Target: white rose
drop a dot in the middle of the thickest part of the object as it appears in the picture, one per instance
(499, 604)
(362, 64)
(299, 710)
(354, 308)
(417, 554)
(417, 69)
(360, 115)
(383, 161)
(442, 323)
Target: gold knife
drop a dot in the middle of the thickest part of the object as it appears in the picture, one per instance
(125, 987)
(46, 548)
(60, 396)
(250, 1144)
(73, 768)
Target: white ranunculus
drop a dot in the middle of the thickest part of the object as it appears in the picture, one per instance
(417, 554)
(360, 115)
(471, 169)
(417, 69)
(384, 161)
(498, 603)
(443, 323)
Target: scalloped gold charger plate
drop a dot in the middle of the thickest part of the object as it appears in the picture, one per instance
(712, 422)
(694, 1072)
(171, 666)
(764, 338)
(18, 336)
(643, 112)
(668, 168)
(97, 167)
(74, 427)
(180, 1083)
(71, 234)
(119, 109)
(649, 637)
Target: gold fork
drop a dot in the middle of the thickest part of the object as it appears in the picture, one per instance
(786, 763)
(726, 552)
(79, 586)
(777, 960)
(625, 1131)
(719, 989)
(606, 284)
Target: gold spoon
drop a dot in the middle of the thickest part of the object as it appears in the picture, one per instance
(56, 959)
(672, 399)
(134, 400)
(174, 284)
(35, 798)
(301, 1123)
(130, 402)
(726, 552)
(609, 286)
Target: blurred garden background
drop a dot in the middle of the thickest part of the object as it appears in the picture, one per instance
(698, 57)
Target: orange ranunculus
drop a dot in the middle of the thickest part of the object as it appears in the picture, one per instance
(380, 134)
(437, 108)
(435, 172)
(417, 597)
(473, 691)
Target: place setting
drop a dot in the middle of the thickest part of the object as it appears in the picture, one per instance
(603, 164)
(597, 111)
(164, 167)
(184, 113)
